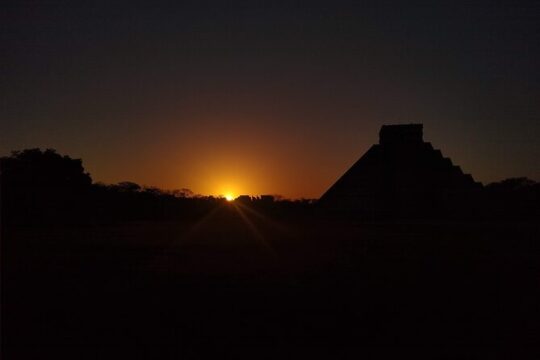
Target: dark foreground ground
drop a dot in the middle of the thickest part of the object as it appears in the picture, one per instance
(238, 279)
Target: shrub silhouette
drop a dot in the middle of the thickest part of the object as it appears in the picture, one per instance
(513, 198)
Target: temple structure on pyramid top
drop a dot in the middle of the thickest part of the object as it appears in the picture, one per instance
(401, 176)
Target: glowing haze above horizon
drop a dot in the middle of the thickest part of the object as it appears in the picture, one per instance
(226, 97)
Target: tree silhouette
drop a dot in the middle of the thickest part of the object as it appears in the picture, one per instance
(33, 167)
(38, 184)
(128, 186)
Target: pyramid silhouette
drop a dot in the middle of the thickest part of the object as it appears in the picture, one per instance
(402, 176)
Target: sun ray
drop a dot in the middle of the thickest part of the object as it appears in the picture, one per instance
(274, 224)
(257, 234)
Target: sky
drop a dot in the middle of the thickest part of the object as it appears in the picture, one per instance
(273, 97)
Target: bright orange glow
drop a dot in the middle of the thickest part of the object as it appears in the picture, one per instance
(244, 158)
(229, 197)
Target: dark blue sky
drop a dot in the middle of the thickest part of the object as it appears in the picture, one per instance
(268, 97)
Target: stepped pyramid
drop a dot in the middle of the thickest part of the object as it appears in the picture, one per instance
(402, 176)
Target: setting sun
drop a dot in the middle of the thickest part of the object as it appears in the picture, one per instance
(229, 197)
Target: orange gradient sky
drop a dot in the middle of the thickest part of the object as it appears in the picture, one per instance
(268, 97)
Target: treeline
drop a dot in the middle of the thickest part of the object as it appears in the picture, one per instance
(45, 187)
(512, 199)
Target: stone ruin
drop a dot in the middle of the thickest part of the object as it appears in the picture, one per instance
(402, 176)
